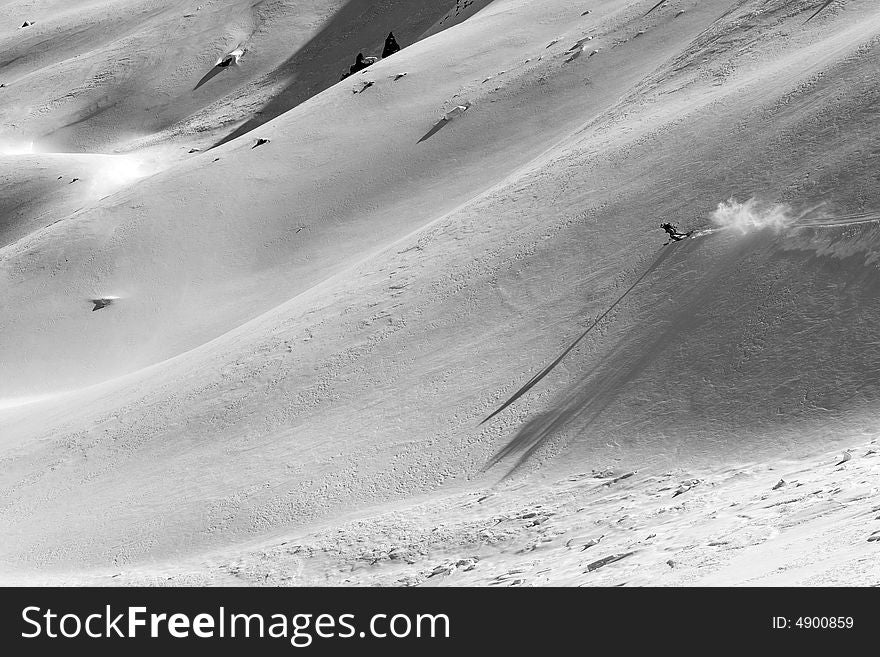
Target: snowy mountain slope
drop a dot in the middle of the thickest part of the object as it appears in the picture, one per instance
(312, 329)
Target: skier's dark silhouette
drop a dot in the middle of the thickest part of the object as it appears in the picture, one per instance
(391, 46)
(673, 232)
(359, 64)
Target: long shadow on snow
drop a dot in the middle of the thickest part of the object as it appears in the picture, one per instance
(592, 394)
(777, 331)
(214, 72)
(544, 372)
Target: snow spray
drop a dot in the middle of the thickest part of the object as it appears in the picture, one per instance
(753, 215)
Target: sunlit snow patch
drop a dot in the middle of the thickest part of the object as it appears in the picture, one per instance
(17, 148)
(114, 172)
(15, 402)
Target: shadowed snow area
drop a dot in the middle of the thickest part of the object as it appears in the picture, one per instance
(210, 350)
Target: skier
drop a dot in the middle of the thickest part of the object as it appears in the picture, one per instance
(360, 63)
(391, 46)
(674, 234)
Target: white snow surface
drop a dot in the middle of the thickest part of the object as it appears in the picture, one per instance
(306, 336)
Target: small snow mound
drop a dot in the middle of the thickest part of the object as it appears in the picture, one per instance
(230, 58)
(103, 302)
(458, 110)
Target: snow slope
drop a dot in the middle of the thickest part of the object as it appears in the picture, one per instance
(310, 330)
